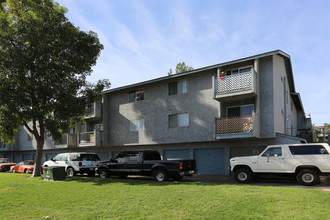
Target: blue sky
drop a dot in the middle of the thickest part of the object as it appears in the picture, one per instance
(143, 39)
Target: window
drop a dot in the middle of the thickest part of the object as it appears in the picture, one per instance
(308, 149)
(236, 71)
(273, 152)
(127, 156)
(178, 87)
(136, 96)
(178, 120)
(151, 155)
(137, 125)
(240, 111)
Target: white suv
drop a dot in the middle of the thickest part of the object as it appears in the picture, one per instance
(75, 163)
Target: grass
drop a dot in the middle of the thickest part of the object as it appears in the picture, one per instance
(22, 197)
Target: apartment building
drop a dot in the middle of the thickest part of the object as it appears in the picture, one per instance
(209, 114)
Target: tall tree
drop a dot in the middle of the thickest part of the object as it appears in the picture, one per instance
(44, 62)
(180, 68)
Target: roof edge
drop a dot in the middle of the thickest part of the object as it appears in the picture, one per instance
(280, 52)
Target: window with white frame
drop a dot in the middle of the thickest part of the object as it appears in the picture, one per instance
(178, 87)
(178, 120)
(137, 125)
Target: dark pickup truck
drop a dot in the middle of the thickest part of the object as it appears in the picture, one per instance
(146, 163)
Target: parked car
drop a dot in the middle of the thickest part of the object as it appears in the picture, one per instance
(23, 167)
(75, 163)
(305, 162)
(146, 163)
(5, 164)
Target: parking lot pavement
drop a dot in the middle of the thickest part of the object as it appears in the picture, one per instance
(279, 182)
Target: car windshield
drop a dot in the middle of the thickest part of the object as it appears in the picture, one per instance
(4, 160)
(29, 163)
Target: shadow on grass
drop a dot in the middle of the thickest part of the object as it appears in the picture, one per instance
(135, 180)
(200, 180)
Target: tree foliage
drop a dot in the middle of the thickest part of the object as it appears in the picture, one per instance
(180, 68)
(44, 62)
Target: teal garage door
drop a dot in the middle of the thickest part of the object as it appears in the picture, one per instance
(176, 154)
(210, 161)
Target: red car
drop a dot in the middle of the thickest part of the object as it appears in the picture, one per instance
(5, 164)
(23, 167)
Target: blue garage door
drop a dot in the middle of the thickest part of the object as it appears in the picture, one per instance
(50, 155)
(17, 158)
(28, 157)
(210, 161)
(176, 154)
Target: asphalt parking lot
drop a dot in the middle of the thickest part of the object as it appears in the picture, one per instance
(278, 182)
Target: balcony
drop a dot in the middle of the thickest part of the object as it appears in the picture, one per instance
(236, 86)
(66, 141)
(235, 127)
(91, 138)
(94, 111)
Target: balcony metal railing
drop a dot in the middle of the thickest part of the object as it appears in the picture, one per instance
(241, 124)
(62, 141)
(87, 138)
(235, 83)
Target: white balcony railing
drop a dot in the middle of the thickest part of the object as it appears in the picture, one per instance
(235, 83)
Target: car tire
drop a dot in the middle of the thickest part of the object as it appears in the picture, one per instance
(243, 175)
(160, 175)
(104, 173)
(26, 171)
(70, 172)
(308, 177)
(13, 171)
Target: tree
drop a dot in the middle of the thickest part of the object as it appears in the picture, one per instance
(44, 62)
(180, 68)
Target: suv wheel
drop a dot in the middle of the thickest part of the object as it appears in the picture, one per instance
(308, 177)
(243, 175)
(70, 172)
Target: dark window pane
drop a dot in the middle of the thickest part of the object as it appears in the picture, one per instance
(152, 155)
(131, 97)
(173, 88)
(308, 149)
(173, 121)
(140, 95)
(234, 112)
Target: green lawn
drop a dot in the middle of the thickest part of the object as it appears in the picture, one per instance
(23, 197)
